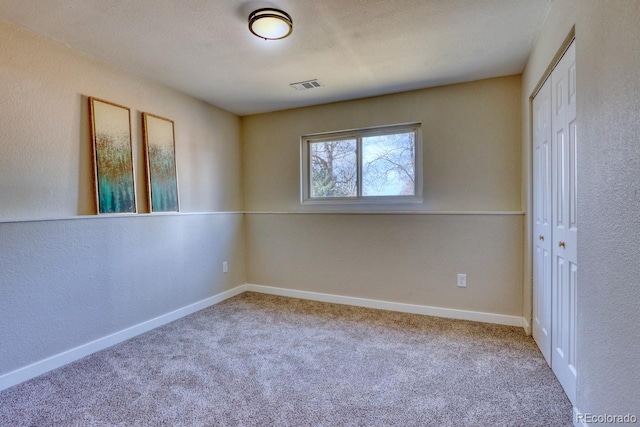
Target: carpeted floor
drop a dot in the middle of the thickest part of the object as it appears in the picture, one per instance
(258, 360)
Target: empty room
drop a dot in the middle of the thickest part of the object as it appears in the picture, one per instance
(319, 213)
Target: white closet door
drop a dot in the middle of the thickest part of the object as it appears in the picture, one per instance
(542, 220)
(564, 222)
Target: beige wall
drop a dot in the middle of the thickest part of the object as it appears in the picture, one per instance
(560, 19)
(471, 138)
(45, 163)
(409, 259)
(471, 135)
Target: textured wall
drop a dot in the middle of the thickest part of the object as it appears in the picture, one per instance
(608, 341)
(608, 72)
(46, 167)
(471, 136)
(64, 283)
(409, 259)
(560, 19)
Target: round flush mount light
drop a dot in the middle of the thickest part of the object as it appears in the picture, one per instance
(270, 24)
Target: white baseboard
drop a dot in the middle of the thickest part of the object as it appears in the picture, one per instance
(38, 368)
(526, 326)
(450, 313)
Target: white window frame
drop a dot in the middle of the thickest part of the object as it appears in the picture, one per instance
(358, 134)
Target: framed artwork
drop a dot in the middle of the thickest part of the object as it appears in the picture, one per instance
(160, 159)
(113, 157)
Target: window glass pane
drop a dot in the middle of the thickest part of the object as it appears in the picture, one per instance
(333, 168)
(388, 165)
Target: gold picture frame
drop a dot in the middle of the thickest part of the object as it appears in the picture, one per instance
(160, 163)
(114, 177)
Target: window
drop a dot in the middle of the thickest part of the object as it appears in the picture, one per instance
(376, 165)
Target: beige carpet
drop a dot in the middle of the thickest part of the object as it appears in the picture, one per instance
(258, 360)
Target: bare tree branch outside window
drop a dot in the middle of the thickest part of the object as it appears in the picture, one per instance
(334, 171)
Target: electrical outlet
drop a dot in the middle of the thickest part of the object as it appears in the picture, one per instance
(462, 280)
(225, 267)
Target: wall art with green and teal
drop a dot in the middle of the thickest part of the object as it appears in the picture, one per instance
(113, 157)
(162, 181)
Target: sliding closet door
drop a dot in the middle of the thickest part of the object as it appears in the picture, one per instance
(542, 220)
(564, 222)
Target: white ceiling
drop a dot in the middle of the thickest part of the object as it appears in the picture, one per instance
(356, 48)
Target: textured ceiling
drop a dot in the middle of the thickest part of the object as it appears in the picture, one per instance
(356, 48)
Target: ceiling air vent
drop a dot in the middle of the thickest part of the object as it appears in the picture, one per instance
(307, 84)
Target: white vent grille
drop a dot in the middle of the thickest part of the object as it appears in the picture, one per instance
(306, 85)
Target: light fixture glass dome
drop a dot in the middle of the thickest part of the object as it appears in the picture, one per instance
(270, 24)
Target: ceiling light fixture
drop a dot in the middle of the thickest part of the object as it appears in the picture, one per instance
(270, 24)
